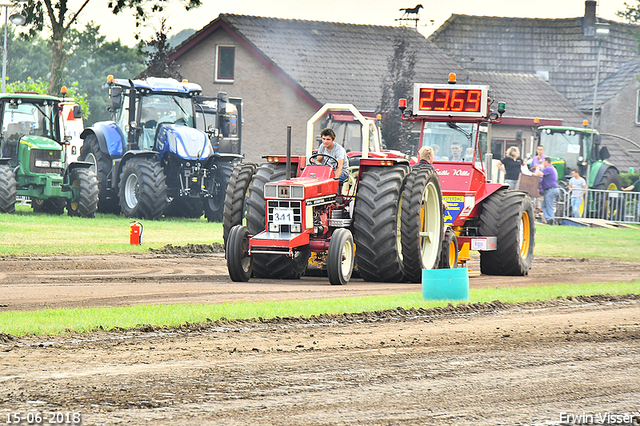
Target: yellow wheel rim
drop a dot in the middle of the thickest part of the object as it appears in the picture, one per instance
(525, 234)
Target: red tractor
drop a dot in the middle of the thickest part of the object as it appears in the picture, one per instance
(482, 216)
(276, 218)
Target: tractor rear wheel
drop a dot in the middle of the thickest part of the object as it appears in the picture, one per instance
(85, 183)
(508, 215)
(238, 260)
(214, 206)
(376, 219)
(449, 252)
(235, 201)
(270, 265)
(8, 191)
(91, 153)
(340, 259)
(422, 222)
(143, 189)
(608, 208)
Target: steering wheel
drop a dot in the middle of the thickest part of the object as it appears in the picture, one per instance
(327, 160)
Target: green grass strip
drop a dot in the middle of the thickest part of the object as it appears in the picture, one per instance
(59, 321)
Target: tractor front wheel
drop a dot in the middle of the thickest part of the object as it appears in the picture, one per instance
(508, 215)
(91, 153)
(143, 189)
(341, 258)
(85, 183)
(8, 191)
(237, 253)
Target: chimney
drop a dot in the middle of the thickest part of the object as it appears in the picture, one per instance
(589, 21)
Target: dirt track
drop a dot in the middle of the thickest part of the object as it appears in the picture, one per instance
(483, 365)
(114, 280)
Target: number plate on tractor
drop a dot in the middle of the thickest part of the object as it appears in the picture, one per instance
(283, 216)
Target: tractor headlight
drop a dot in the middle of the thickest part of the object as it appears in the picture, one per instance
(57, 164)
(296, 227)
(274, 227)
(42, 163)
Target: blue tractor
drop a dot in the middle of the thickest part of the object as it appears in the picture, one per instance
(159, 155)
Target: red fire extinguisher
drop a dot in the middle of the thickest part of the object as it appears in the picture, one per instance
(135, 236)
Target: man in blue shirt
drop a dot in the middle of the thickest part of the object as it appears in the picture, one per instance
(549, 184)
(335, 150)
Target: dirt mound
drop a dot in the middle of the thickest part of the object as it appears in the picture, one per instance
(189, 248)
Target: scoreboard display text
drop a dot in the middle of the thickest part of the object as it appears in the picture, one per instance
(450, 100)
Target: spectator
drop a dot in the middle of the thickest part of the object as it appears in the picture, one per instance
(577, 186)
(635, 187)
(549, 185)
(425, 154)
(511, 165)
(468, 154)
(456, 152)
(436, 149)
(536, 163)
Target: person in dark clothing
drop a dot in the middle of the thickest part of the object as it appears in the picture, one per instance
(511, 165)
(425, 155)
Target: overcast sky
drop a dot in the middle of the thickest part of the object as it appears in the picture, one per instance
(374, 12)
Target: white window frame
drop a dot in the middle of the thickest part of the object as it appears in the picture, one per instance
(217, 63)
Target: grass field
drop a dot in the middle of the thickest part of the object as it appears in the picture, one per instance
(26, 234)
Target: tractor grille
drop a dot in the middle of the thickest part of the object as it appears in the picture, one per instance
(295, 208)
(45, 155)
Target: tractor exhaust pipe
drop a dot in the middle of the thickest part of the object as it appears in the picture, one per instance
(288, 169)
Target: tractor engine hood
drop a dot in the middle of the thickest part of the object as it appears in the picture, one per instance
(185, 142)
(40, 142)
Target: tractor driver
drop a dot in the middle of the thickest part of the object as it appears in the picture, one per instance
(330, 147)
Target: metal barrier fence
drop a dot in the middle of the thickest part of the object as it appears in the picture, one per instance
(616, 206)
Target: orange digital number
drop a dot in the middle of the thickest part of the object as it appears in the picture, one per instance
(457, 101)
(473, 98)
(426, 100)
(444, 100)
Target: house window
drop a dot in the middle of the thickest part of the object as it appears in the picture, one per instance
(638, 108)
(225, 62)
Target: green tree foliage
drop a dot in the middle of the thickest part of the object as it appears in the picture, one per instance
(632, 15)
(92, 59)
(397, 84)
(42, 86)
(27, 57)
(158, 51)
(56, 16)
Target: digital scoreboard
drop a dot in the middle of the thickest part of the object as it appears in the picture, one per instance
(450, 100)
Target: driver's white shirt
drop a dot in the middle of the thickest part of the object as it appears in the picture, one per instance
(338, 152)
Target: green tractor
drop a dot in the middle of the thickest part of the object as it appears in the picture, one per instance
(573, 148)
(33, 159)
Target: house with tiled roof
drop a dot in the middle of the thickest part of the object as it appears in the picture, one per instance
(285, 69)
(563, 52)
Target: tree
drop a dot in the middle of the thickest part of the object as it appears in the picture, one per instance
(27, 57)
(92, 59)
(397, 84)
(158, 51)
(42, 87)
(632, 15)
(56, 15)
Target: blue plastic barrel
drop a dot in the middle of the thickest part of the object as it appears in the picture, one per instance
(445, 284)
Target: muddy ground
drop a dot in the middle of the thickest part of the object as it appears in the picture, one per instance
(489, 364)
